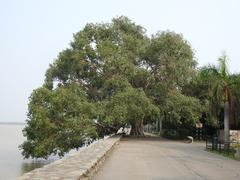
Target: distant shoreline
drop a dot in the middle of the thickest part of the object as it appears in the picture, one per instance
(12, 123)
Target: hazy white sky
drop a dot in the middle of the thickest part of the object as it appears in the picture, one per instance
(32, 33)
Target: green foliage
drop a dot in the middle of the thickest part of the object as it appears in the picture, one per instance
(214, 86)
(171, 59)
(111, 74)
(58, 121)
(183, 109)
(234, 85)
(130, 105)
(223, 71)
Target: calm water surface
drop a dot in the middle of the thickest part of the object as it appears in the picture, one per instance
(12, 163)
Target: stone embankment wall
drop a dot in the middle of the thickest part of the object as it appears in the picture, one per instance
(79, 165)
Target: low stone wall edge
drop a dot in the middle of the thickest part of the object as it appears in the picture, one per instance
(79, 165)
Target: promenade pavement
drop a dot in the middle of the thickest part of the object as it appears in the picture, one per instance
(155, 159)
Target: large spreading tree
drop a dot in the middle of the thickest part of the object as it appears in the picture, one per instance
(112, 74)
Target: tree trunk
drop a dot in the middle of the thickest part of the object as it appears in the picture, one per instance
(137, 129)
(226, 119)
(160, 124)
(226, 125)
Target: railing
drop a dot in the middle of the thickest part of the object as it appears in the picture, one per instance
(216, 145)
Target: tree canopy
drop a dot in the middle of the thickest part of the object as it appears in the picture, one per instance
(112, 74)
(218, 90)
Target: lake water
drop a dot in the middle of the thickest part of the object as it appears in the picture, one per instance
(12, 163)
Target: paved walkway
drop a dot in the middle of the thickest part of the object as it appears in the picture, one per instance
(166, 160)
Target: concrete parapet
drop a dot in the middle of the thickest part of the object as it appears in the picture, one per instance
(79, 165)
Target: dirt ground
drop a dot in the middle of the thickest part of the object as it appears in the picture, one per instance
(156, 159)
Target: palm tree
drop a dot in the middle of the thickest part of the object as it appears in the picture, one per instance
(217, 80)
(224, 80)
(220, 94)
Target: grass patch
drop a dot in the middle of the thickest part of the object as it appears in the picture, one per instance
(225, 154)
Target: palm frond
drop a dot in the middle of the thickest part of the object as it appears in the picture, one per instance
(223, 70)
